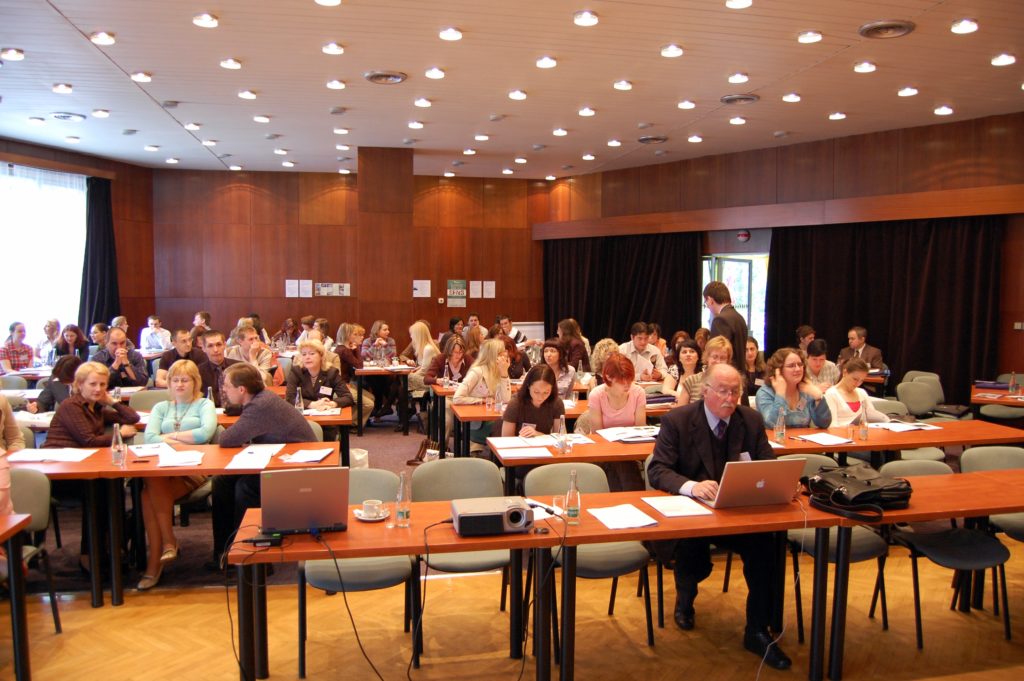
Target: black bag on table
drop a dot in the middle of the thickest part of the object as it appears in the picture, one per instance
(858, 492)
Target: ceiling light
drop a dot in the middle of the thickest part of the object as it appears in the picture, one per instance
(864, 67)
(614, 143)
(450, 34)
(520, 160)
(1003, 59)
(328, 3)
(559, 132)
(247, 94)
(517, 95)
(62, 88)
(737, 120)
(205, 20)
(281, 152)
(142, 77)
(288, 164)
(836, 116)
(550, 178)
(449, 173)
(341, 131)
(507, 171)
(332, 48)
(71, 139)
(36, 120)
(586, 112)
(695, 139)
(423, 103)
(342, 147)
(547, 62)
(415, 125)
(344, 171)
(963, 26)
(434, 73)
(481, 138)
(738, 4)
(585, 18)
(260, 118)
(791, 97)
(230, 63)
(907, 91)
(672, 51)
(623, 85)
(102, 38)
(12, 54)
(192, 126)
(100, 113)
(686, 104)
(943, 111)
(172, 161)
(808, 37)
(234, 167)
(588, 156)
(738, 78)
(335, 85)
(468, 152)
(151, 147)
(209, 143)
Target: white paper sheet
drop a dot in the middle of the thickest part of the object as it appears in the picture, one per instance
(775, 445)
(475, 289)
(307, 455)
(524, 453)
(262, 449)
(677, 506)
(24, 418)
(420, 288)
(579, 439)
(249, 460)
(489, 289)
(291, 288)
(66, 455)
(622, 517)
(826, 439)
(317, 412)
(174, 458)
(305, 288)
(506, 442)
(630, 433)
(151, 450)
(28, 394)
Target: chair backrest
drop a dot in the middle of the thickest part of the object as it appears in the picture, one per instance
(918, 397)
(445, 479)
(145, 400)
(1005, 378)
(899, 469)
(318, 431)
(991, 458)
(43, 381)
(30, 493)
(647, 477)
(890, 407)
(372, 483)
(285, 364)
(812, 462)
(13, 382)
(936, 386)
(29, 436)
(913, 373)
(583, 426)
(554, 479)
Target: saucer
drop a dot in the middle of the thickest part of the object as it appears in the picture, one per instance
(358, 513)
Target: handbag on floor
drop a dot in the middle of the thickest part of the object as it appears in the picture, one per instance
(858, 492)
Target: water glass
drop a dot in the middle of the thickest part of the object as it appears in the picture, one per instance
(489, 403)
(558, 501)
(117, 455)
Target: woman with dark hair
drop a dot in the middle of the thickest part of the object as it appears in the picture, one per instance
(619, 402)
(847, 401)
(554, 355)
(654, 338)
(786, 391)
(686, 364)
(536, 407)
(261, 332)
(453, 362)
(702, 336)
(576, 354)
(519, 363)
(380, 346)
(72, 342)
(455, 326)
(288, 333)
(324, 327)
(755, 365)
(58, 388)
(673, 345)
(804, 335)
(15, 354)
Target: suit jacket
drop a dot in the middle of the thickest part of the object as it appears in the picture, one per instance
(207, 372)
(730, 323)
(869, 353)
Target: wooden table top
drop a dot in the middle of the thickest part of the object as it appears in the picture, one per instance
(479, 412)
(953, 432)
(345, 418)
(1005, 398)
(601, 451)
(381, 371)
(12, 524)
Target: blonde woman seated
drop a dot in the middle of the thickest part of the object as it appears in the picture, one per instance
(718, 350)
(320, 385)
(488, 377)
(426, 350)
(602, 351)
(187, 418)
(847, 401)
(686, 363)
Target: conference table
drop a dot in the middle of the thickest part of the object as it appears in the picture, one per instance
(343, 422)
(11, 527)
(101, 476)
(402, 371)
(982, 396)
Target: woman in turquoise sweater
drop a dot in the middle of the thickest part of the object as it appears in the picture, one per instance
(786, 391)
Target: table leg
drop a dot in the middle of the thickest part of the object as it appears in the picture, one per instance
(780, 581)
(115, 507)
(459, 430)
(542, 595)
(92, 526)
(842, 583)
(259, 618)
(359, 406)
(403, 404)
(568, 613)
(442, 436)
(138, 526)
(816, 663)
(343, 437)
(515, 607)
(19, 618)
(246, 625)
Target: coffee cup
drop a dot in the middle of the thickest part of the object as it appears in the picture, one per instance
(372, 508)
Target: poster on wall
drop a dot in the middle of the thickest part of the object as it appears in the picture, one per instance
(323, 288)
(420, 288)
(475, 289)
(489, 289)
(291, 288)
(456, 293)
(305, 288)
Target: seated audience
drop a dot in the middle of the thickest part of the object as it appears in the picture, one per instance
(127, 367)
(554, 356)
(655, 339)
(324, 327)
(452, 364)
(320, 386)
(718, 350)
(58, 388)
(261, 331)
(787, 392)
(202, 320)
(72, 341)
(98, 334)
(288, 333)
(604, 349)
(121, 322)
(350, 359)
(702, 336)
(425, 350)
(475, 337)
(182, 348)
(519, 362)
(804, 336)
(15, 354)
(51, 334)
(488, 377)
(646, 359)
(11, 440)
(379, 346)
(455, 327)
(847, 401)
(754, 365)
(154, 336)
(248, 348)
(577, 354)
(686, 363)
(820, 371)
(535, 408)
(212, 370)
(857, 339)
(522, 342)
(307, 322)
(619, 402)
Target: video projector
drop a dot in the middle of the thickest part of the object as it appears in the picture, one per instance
(491, 515)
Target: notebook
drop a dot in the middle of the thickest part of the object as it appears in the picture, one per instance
(301, 500)
(757, 483)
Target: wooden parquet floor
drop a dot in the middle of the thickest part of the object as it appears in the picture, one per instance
(185, 634)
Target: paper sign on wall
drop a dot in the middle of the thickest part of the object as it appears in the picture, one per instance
(291, 288)
(420, 288)
(456, 293)
(305, 288)
(475, 289)
(331, 289)
(488, 289)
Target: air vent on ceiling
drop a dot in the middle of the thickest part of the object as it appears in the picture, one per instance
(886, 28)
(66, 116)
(385, 77)
(740, 99)
(652, 139)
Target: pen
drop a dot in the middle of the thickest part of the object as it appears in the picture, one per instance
(140, 461)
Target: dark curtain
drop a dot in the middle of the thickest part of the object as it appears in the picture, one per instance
(608, 283)
(100, 301)
(927, 291)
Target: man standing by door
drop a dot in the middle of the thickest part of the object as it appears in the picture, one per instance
(727, 321)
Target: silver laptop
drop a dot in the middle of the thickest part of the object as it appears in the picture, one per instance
(304, 499)
(757, 483)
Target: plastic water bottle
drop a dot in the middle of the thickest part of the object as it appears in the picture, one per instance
(1013, 387)
(403, 502)
(117, 448)
(780, 427)
(447, 376)
(298, 401)
(209, 393)
(573, 503)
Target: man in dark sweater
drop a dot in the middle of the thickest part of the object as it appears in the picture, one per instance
(265, 419)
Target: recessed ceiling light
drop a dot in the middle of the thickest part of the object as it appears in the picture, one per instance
(171, 161)
(281, 152)
(423, 103)
(205, 20)
(550, 178)
(671, 51)
(547, 62)
(585, 18)
(142, 77)
(100, 113)
(791, 97)
(234, 167)
(230, 63)
(520, 160)
(342, 147)
(288, 164)
(192, 126)
(71, 139)
(864, 67)
(62, 88)
(344, 171)
(623, 85)
(943, 111)
(151, 147)
(103, 38)
(247, 94)
(335, 85)
(468, 152)
(451, 34)
(332, 48)
(507, 171)
(836, 116)
(209, 143)
(415, 125)
(1003, 59)
(517, 95)
(328, 3)
(260, 118)
(341, 131)
(614, 143)
(695, 139)
(559, 132)
(737, 120)
(588, 156)
(738, 4)
(907, 91)
(449, 173)
(738, 78)
(434, 73)
(586, 112)
(808, 37)
(963, 26)
(686, 104)
(12, 54)
(36, 120)
(481, 138)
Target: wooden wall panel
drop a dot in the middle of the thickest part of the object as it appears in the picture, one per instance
(647, 189)
(504, 203)
(561, 190)
(134, 244)
(538, 201)
(426, 201)
(703, 183)
(460, 201)
(274, 197)
(867, 165)
(385, 180)
(327, 199)
(806, 172)
(939, 157)
(749, 177)
(1000, 141)
(227, 261)
(585, 196)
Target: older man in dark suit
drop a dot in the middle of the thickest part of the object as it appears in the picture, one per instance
(727, 322)
(693, 447)
(857, 339)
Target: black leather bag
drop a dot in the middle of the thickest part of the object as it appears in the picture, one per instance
(858, 492)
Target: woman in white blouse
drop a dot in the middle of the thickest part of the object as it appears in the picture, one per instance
(847, 401)
(488, 377)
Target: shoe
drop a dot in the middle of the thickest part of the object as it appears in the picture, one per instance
(149, 581)
(684, 613)
(761, 643)
(169, 554)
(213, 565)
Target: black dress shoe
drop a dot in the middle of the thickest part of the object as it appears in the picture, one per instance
(759, 642)
(684, 614)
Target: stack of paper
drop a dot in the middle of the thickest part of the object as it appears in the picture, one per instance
(630, 433)
(622, 517)
(826, 439)
(535, 441)
(254, 457)
(152, 450)
(189, 457)
(66, 455)
(677, 506)
(307, 455)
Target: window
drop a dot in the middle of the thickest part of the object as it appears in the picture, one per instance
(746, 275)
(42, 226)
